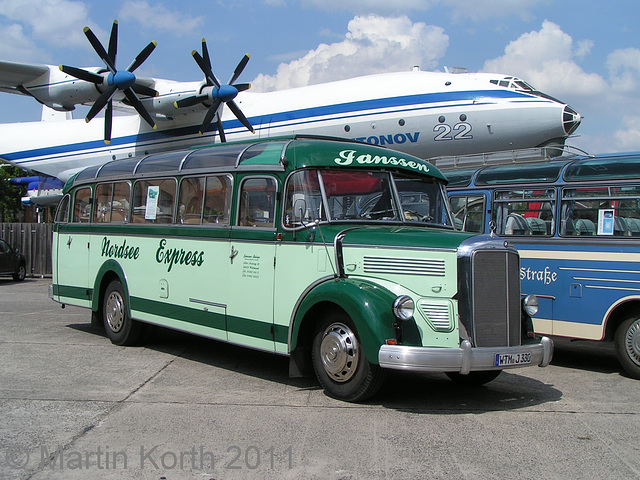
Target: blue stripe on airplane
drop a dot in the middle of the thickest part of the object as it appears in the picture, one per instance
(169, 135)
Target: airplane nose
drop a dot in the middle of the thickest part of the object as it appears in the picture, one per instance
(570, 120)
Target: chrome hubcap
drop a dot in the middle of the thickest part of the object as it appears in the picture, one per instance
(339, 352)
(114, 312)
(632, 342)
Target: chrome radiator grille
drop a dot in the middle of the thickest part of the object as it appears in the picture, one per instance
(489, 292)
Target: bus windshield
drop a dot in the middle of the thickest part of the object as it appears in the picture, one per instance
(367, 196)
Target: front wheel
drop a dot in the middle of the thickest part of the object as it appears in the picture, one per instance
(339, 363)
(627, 343)
(474, 379)
(120, 328)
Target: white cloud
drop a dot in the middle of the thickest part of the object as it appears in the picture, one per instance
(373, 44)
(159, 17)
(545, 58)
(59, 22)
(624, 69)
(15, 46)
(627, 138)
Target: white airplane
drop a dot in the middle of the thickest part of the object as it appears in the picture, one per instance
(427, 114)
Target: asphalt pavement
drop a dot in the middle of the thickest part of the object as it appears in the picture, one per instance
(74, 406)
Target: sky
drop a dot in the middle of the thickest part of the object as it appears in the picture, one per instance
(585, 53)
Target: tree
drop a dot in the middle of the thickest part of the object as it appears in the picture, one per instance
(10, 194)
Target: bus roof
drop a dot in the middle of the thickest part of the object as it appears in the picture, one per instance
(575, 169)
(288, 153)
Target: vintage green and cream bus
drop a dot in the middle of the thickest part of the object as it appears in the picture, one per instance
(338, 254)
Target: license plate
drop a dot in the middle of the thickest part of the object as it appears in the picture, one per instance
(506, 359)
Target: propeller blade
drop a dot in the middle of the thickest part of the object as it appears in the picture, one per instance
(97, 46)
(190, 101)
(241, 87)
(223, 139)
(209, 116)
(239, 68)
(144, 90)
(137, 104)
(108, 121)
(82, 74)
(206, 69)
(205, 53)
(101, 102)
(239, 115)
(142, 56)
(113, 42)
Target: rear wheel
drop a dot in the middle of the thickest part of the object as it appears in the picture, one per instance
(20, 273)
(474, 379)
(120, 328)
(627, 342)
(339, 363)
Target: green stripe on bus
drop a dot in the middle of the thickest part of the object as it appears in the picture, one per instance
(67, 291)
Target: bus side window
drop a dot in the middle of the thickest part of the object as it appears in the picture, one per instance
(601, 211)
(525, 212)
(190, 200)
(217, 201)
(102, 208)
(257, 203)
(153, 201)
(82, 206)
(120, 205)
(62, 213)
(468, 212)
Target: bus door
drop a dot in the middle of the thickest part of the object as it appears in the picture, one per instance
(471, 210)
(252, 250)
(73, 250)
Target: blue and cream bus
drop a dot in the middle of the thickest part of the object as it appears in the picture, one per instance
(576, 225)
(340, 255)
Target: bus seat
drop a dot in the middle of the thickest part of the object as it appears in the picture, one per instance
(633, 226)
(620, 228)
(516, 225)
(582, 226)
(537, 226)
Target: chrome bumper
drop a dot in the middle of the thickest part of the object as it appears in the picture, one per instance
(463, 360)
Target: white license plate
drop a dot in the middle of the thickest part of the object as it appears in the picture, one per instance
(506, 359)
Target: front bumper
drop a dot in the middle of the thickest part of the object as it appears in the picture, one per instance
(463, 360)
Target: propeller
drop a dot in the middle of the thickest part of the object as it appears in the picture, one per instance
(115, 80)
(216, 94)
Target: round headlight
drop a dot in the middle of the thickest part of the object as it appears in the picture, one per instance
(403, 307)
(530, 305)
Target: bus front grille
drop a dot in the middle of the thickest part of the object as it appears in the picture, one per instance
(490, 311)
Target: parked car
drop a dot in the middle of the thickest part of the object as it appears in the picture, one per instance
(12, 262)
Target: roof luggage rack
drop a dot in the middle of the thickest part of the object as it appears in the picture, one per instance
(506, 157)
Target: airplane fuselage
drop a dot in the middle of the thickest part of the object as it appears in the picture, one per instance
(426, 114)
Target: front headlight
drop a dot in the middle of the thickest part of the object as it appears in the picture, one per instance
(530, 305)
(403, 307)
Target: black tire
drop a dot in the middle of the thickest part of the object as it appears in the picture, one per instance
(120, 328)
(339, 362)
(21, 273)
(627, 343)
(474, 379)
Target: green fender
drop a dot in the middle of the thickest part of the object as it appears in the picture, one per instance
(369, 305)
(109, 266)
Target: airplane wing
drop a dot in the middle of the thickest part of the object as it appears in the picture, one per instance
(14, 75)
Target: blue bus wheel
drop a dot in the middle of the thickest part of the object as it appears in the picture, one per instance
(627, 342)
